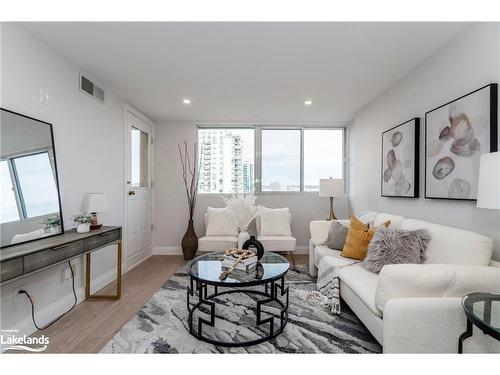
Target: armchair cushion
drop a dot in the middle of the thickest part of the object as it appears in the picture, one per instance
(220, 223)
(274, 221)
(434, 280)
(278, 243)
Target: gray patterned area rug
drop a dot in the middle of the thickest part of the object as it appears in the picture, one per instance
(161, 325)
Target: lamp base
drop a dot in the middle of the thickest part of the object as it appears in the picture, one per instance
(331, 216)
(94, 224)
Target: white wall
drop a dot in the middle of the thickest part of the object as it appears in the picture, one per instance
(170, 204)
(463, 65)
(89, 149)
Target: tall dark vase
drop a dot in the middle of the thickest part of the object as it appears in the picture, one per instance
(189, 242)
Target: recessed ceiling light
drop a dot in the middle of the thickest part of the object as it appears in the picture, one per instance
(186, 101)
(308, 102)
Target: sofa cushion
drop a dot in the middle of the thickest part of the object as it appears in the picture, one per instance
(367, 217)
(434, 280)
(381, 218)
(220, 223)
(278, 243)
(322, 251)
(452, 245)
(217, 243)
(363, 283)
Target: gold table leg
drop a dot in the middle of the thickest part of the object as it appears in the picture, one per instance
(118, 277)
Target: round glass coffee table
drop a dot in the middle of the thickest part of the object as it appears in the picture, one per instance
(482, 310)
(204, 272)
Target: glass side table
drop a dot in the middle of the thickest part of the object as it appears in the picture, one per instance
(482, 310)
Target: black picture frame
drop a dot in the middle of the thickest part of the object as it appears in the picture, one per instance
(56, 177)
(493, 129)
(416, 160)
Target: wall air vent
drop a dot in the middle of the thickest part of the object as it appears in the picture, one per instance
(90, 88)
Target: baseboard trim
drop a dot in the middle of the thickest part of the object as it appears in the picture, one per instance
(140, 257)
(167, 250)
(57, 308)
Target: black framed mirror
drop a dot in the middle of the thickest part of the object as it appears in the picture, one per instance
(30, 204)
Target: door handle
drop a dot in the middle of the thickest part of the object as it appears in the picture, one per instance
(131, 192)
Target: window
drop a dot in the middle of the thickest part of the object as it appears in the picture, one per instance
(323, 156)
(139, 158)
(226, 160)
(281, 159)
(21, 196)
(8, 208)
(32, 172)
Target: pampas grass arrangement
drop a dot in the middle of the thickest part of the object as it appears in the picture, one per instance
(242, 208)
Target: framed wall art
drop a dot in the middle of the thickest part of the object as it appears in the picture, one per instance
(456, 135)
(400, 160)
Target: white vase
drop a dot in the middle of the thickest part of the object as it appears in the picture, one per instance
(83, 228)
(54, 230)
(242, 237)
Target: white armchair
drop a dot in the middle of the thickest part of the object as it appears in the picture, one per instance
(219, 236)
(278, 242)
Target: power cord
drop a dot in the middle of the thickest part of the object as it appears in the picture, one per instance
(22, 291)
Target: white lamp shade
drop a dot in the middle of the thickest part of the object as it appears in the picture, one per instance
(488, 191)
(331, 187)
(95, 202)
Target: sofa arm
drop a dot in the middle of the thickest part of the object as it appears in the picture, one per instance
(433, 280)
(320, 228)
(430, 325)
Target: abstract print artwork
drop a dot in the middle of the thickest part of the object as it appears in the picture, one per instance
(456, 134)
(400, 160)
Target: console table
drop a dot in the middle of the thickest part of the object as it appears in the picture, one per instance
(28, 258)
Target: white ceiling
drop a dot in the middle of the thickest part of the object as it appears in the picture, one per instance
(259, 72)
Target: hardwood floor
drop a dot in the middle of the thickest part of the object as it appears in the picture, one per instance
(93, 323)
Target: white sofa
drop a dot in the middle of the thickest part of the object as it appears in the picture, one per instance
(413, 308)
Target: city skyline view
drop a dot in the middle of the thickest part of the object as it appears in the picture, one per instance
(227, 159)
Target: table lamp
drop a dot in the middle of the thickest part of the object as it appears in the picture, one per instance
(332, 188)
(94, 203)
(488, 190)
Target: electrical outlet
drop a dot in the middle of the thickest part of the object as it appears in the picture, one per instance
(19, 298)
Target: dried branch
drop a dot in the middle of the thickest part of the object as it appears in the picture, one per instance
(189, 175)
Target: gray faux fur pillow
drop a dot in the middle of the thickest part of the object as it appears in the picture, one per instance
(395, 246)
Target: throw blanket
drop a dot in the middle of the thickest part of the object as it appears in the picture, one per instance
(328, 284)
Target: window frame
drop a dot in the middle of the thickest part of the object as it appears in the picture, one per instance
(16, 185)
(258, 153)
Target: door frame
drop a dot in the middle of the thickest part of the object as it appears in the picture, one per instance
(151, 168)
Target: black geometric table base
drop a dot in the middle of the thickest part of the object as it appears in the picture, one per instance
(271, 291)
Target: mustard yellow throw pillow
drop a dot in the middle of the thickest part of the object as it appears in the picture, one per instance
(358, 239)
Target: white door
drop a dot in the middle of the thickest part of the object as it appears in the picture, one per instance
(138, 188)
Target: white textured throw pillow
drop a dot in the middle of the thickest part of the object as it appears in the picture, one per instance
(220, 223)
(274, 221)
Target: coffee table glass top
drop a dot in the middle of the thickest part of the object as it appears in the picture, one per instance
(484, 310)
(207, 268)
